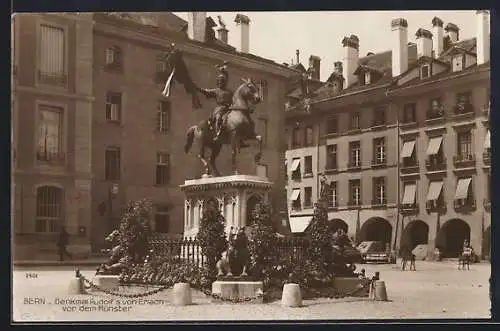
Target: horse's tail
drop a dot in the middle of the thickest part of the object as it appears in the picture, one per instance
(189, 139)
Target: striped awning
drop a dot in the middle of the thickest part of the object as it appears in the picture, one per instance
(434, 145)
(462, 188)
(295, 164)
(409, 194)
(487, 140)
(434, 190)
(295, 194)
(408, 148)
(300, 223)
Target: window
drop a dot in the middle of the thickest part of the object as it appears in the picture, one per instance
(436, 109)
(435, 152)
(408, 153)
(263, 89)
(425, 71)
(355, 192)
(162, 219)
(162, 168)
(263, 130)
(379, 151)
(409, 113)
(332, 194)
(48, 209)
(308, 165)
(379, 192)
(332, 125)
(331, 157)
(52, 55)
(296, 168)
(112, 160)
(309, 138)
(379, 117)
(355, 121)
(367, 78)
(464, 104)
(49, 144)
(464, 143)
(464, 195)
(163, 117)
(458, 62)
(113, 106)
(296, 138)
(113, 58)
(307, 197)
(295, 198)
(355, 154)
(409, 194)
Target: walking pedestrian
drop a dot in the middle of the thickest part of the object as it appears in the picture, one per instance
(62, 242)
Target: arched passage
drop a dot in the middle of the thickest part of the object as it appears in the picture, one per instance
(251, 203)
(416, 233)
(451, 237)
(376, 229)
(337, 223)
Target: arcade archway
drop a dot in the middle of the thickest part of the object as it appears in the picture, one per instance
(416, 233)
(451, 237)
(337, 223)
(376, 229)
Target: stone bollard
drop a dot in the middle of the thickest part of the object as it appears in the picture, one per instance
(76, 286)
(181, 294)
(380, 291)
(291, 296)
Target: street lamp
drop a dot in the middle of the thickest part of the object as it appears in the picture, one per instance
(112, 194)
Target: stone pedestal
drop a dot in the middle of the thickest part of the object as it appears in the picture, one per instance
(235, 195)
(238, 289)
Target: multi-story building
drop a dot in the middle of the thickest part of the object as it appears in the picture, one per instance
(102, 134)
(52, 97)
(403, 138)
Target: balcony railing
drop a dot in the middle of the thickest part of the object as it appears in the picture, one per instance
(463, 108)
(331, 167)
(464, 204)
(50, 78)
(296, 206)
(296, 174)
(352, 165)
(308, 173)
(463, 161)
(379, 162)
(435, 206)
(50, 157)
(408, 165)
(435, 114)
(379, 203)
(487, 157)
(409, 208)
(433, 164)
(332, 204)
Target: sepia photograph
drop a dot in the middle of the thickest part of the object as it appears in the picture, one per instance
(250, 166)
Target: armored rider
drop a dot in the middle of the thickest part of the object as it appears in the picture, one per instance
(223, 97)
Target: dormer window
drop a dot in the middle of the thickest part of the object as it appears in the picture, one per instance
(458, 62)
(425, 71)
(367, 78)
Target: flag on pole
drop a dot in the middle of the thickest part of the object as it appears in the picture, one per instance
(168, 84)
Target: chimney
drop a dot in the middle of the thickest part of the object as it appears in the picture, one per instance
(399, 28)
(452, 31)
(315, 66)
(297, 55)
(482, 37)
(350, 59)
(197, 22)
(424, 43)
(222, 34)
(337, 68)
(437, 36)
(244, 24)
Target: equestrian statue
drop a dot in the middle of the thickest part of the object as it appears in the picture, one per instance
(229, 124)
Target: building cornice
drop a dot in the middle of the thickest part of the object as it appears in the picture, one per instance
(190, 47)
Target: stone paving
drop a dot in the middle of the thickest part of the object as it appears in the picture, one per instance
(435, 290)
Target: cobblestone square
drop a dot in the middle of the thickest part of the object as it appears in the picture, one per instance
(435, 290)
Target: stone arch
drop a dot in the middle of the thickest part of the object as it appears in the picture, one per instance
(376, 229)
(252, 201)
(416, 233)
(451, 237)
(337, 223)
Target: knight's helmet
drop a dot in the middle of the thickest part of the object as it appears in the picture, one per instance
(222, 73)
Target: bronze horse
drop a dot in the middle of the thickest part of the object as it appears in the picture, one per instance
(237, 127)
